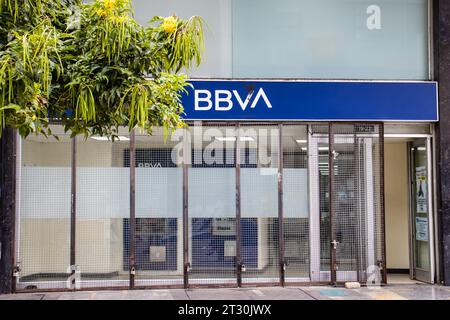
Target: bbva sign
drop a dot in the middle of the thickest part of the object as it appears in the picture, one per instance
(225, 100)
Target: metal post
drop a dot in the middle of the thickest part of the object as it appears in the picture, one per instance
(357, 205)
(237, 160)
(132, 258)
(282, 262)
(73, 207)
(331, 204)
(382, 204)
(186, 265)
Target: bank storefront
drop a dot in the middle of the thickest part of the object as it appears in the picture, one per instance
(276, 180)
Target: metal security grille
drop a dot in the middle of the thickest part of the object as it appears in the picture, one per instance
(102, 211)
(218, 204)
(355, 172)
(259, 204)
(319, 188)
(158, 254)
(296, 213)
(43, 238)
(211, 188)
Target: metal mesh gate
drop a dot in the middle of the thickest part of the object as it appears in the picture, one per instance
(356, 203)
(259, 207)
(212, 205)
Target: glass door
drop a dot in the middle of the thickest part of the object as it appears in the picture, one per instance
(421, 210)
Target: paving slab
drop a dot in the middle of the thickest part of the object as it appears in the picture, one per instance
(421, 292)
(27, 296)
(332, 293)
(217, 294)
(277, 293)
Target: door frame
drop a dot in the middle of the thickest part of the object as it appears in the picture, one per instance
(415, 273)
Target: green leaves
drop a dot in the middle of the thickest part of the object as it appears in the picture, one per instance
(180, 41)
(92, 66)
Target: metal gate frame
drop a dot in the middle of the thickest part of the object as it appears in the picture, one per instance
(185, 231)
(382, 264)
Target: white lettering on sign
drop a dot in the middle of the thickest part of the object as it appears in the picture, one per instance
(203, 96)
(149, 165)
(223, 96)
(374, 19)
(224, 100)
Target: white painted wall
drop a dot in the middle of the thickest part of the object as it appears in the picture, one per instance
(396, 192)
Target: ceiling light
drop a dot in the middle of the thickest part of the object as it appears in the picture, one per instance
(301, 141)
(120, 138)
(224, 139)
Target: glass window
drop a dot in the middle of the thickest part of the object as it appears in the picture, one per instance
(212, 205)
(103, 209)
(330, 39)
(43, 248)
(342, 39)
(159, 208)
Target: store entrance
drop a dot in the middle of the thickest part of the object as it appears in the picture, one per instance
(346, 204)
(409, 209)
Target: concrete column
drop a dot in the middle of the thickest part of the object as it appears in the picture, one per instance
(442, 74)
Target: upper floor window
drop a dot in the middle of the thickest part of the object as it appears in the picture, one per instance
(317, 39)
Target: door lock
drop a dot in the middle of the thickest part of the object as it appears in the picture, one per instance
(334, 243)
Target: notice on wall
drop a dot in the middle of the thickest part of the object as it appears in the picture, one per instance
(421, 190)
(421, 229)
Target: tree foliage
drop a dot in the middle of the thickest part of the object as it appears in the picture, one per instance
(92, 66)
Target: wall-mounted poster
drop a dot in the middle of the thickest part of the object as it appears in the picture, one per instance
(421, 190)
(421, 229)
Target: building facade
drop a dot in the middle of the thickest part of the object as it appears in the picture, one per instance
(315, 153)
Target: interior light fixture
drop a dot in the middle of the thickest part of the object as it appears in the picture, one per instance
(120, 138)
(299, 141)
(243, 139)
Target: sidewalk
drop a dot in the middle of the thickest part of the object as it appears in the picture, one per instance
(391, 292)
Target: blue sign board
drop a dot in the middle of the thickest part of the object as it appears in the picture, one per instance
(311, 101)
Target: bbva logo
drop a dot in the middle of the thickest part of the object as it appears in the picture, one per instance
(225, 100)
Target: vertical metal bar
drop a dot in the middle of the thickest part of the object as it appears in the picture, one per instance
(186, 152)
(370, 223)
(382, 205)
(314, 205)
(73, 206)
(331, 204)
(15, 246)
(282, 262)
(357, 206)
(237, 160)
(132, 225)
